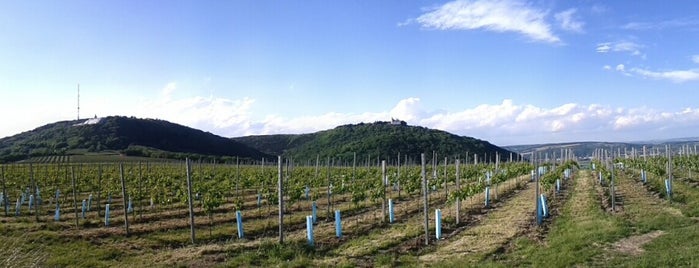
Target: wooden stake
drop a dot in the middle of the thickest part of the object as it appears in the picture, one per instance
(75, 204)
(124, 200)
(281, 201)
(425, 189)
(189, 199)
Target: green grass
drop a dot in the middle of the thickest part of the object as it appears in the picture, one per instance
(583, 234)
(271, 254)
(575, 236)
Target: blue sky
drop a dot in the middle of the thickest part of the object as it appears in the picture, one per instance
(508, 71)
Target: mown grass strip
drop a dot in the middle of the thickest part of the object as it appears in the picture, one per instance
(575, 238)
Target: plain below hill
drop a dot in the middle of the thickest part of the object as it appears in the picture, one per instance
(124, 135)
(587, 149)
(383, 140)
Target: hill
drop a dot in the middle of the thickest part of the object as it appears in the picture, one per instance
(127, 135)
(382, 139)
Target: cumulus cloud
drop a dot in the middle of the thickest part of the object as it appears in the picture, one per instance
(695, 58)
(621, 46)
(202, 112)
(408, 109)
(502, 123)
(607, 67)
(620, 67)
(495, 15)
(567, 21)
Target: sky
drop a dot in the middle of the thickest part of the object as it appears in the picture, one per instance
(507, 71)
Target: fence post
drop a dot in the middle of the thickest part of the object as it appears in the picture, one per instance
(189, 199)
(425, 189)
(281, 200)
(123, 194)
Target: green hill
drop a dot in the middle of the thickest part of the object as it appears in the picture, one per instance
(126, 135)
(376, 139)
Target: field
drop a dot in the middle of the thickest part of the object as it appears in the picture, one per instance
(642, 228)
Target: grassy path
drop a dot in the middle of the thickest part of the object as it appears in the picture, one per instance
(647, 232)
(501, 225)
(574, 238)
(666, 236)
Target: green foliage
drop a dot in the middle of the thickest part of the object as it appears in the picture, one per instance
(548, 180)
(381, 139)
(129, 135)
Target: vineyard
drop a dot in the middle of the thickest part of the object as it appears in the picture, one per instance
(398, 212)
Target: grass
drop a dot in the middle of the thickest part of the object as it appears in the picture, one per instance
(583, 234)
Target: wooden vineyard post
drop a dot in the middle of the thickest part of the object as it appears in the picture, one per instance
(446, 184)
(99, 190)
(383, 182)
(33, 191)
(189, 199)
(124, 198)
(424, 197)
(281, 200)
(328, 190)
(4, 190)
(354, 167)
(611, 189)
(237, 177)
(458, 190)
(398, 176)
(140, 191)
(537, 201)
(75, 203)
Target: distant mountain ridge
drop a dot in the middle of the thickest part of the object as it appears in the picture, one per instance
(128, 135)
(162, 139)
(379, 140)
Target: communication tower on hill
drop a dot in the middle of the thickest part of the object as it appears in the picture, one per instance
(78, 101)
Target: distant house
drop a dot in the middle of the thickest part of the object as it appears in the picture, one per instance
(397, 122)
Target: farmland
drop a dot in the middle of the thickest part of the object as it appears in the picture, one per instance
(149, 220)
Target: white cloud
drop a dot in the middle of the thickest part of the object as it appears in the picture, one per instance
(677, 76)
(407, 109)
(620, 68)
(212, 113)
(568, 21)
(496, 15)
(603, 47)
(599, 9)
(695, 58)
(168, 89)
(607, 67)
(660, 25)
(502, 123)
(621, 46)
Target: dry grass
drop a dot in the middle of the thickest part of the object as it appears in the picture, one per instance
(501, 225)
(633, 245)
(17, 253)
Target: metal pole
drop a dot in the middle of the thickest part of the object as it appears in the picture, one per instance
(383, 181)
(75, 204)
(424, 193)
(458, 189)
(123, 194)
(189, 199)
(281, 200)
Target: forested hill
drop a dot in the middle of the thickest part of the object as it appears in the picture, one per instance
(129, 135)
(375, 139)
